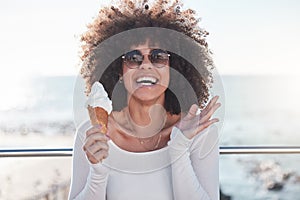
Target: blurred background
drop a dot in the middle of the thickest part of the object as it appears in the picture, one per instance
(255, 46)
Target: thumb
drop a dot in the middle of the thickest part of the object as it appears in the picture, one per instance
(192, 112)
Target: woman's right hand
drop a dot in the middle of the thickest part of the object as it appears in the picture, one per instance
(192, 124)
(95, 146)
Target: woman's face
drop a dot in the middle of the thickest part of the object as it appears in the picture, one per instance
(145, 80)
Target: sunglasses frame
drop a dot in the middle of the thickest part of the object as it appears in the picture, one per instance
(138, 63)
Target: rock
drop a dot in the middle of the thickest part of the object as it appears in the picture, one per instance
(274, 186)
(270, 174)
(297, 179)
(287, 175)
(224, 196)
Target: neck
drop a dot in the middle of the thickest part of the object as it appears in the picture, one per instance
(146, 118)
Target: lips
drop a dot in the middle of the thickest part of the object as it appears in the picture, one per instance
(146, 80)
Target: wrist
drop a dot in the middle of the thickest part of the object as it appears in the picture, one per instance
(184, 133)
(99, 169)
(179, 140)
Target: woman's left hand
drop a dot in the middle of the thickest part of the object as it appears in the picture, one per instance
(192, 124)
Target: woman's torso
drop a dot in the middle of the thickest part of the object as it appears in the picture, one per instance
(137, 171)
(138, 175)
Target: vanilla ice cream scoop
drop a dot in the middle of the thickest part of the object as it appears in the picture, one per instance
(99, 106)
(98, 98)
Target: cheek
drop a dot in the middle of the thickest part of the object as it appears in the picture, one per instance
(165, 80)
(127, 74)
(124, 69)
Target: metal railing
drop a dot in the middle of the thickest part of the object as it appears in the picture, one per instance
(63, 152)
(36, 152)
(61, 191)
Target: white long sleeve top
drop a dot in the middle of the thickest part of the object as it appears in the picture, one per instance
(185, 169)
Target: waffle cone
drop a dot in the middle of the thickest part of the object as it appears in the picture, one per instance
(98, 116)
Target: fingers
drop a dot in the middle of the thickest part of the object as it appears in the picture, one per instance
(95, 146)
(96, 152)
(94, 129)
(94, 138)
(193, 124)
(91, 157)
(100, 155)
(210, 113)
(97, 157)
(210, 105)
(212, 101)
(205, 125)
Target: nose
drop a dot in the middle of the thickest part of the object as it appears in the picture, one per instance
(146, 64)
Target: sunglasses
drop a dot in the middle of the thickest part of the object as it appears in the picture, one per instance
(158, 57)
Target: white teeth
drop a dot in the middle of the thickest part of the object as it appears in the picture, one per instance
(146, 80)
(147, 84)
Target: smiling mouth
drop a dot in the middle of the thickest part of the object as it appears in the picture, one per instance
(146, 81)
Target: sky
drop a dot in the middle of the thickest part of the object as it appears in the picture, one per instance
(246, 37)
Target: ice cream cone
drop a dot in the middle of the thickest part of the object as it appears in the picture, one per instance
(98, 116)
(99, 106)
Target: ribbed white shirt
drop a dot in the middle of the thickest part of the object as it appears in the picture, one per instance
(185, 169)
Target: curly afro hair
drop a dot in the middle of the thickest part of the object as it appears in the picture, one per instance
(126, 15)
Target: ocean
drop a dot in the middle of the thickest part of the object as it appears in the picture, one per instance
(259, 110)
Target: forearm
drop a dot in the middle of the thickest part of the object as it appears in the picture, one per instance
(95, 187)
(185, 182)
(88, 180)
(189, 172)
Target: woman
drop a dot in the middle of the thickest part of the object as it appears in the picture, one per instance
(154, 140)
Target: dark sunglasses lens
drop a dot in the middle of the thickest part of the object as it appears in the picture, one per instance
(159, 56)
(133, 58)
